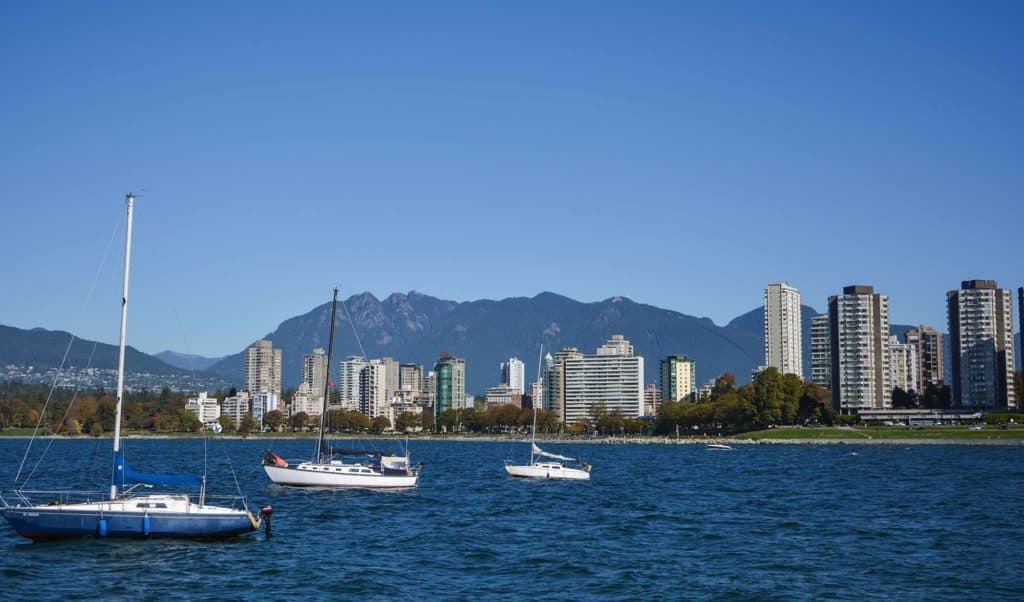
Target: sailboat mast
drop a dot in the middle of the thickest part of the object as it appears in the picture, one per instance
(533, 435)
(327, 380)
(130, 201)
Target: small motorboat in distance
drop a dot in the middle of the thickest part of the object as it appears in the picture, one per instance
(719, 446)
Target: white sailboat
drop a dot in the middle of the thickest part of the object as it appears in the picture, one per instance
(552, 468)
(68, 514)
(376, 470)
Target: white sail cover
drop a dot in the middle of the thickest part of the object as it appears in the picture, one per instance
(540, 452)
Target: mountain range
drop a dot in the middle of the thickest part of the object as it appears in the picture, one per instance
(186, 361)
(416, 328)
(43, 348)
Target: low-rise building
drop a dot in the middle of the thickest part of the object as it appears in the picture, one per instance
(205, 408)
(236, 406)
(305, 400)
(503, 394)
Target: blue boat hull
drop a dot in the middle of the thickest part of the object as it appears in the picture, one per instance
(40, 523)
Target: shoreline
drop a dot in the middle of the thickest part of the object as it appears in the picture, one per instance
(978, 441)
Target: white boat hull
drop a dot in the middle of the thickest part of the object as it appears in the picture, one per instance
(309, 478)
(547, 471)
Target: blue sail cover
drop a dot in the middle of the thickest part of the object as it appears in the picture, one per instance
(124, 475)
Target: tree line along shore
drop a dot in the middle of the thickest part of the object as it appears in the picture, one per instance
(774, 406)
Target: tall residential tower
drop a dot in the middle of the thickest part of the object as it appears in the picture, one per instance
(613, 377)
(821, 352)
(859, 340)
(513, 374)
(678, 378)
(981, 338)
(783, 345)
(263, 368)
(450, 384)
(928, 343)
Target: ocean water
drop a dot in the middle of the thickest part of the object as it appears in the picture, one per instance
(761, 522)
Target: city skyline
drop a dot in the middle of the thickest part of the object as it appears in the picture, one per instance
(727, 126)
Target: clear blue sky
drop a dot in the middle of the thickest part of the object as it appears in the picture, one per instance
(681, 154)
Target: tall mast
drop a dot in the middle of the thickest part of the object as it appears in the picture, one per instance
(327, 380)
(130, 201)
(533, 435)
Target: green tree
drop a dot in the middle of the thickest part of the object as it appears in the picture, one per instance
(506, 415)
(273, 420)
(448, 420)
(427, 420)
(547, 422)
(900, 399)
(188, 421)
(937, 397)
(724, 384)
(406, 421)
(105, 414)
(227, 425)
(299, 421)
(248, 425)
(381, 424)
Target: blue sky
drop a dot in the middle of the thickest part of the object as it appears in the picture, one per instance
(681, 154)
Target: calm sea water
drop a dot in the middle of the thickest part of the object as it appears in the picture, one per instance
(664, 522)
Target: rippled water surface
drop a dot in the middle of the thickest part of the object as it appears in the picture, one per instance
(664, 522)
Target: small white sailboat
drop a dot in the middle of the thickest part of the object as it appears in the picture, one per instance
(125, 514)
(376, 471)
(540, 469)
(552, 468)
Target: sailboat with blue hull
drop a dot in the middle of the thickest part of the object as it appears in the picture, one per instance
(122, 513)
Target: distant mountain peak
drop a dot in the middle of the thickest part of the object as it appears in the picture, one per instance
(415, 327)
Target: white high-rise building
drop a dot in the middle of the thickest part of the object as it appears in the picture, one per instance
(981, 340)
(678, 378)
(859, 329)
(537, 394)
(513, 374)
(783, 344)
(263, 368)
(410, 376)
(205, 408)
(391, 375)
(373, 397)
(821, 354)
(613, 377)
(314, 370)
(348, 381)
(903, 368)
(430, 387)
(617, 345)
(236, 407)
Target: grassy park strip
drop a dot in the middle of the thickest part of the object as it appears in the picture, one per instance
(944, 432)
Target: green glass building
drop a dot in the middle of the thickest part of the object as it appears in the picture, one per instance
(450, 384)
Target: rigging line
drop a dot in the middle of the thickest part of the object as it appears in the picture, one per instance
(60, 423)
(354, 333)
(233, 475)
(195, 381)
(67, 350)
